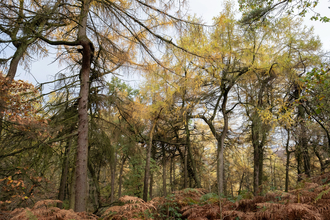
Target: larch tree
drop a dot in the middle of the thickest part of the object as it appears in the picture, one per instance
(106, 34)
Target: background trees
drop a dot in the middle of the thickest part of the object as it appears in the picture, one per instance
(221, 108)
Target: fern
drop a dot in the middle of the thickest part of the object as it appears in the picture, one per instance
(324, 192)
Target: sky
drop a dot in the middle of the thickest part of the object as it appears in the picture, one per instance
(44, 70)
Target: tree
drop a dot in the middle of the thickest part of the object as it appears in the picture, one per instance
(115, 43)
(255, 10)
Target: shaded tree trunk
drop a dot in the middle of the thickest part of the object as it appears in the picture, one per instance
(147, 168)
(82, 148)
(120, 182)
(153, 156)
(72, 189)
(185, 180)
(164, 170)
(287, 162)
(64, 176)
(113, 177)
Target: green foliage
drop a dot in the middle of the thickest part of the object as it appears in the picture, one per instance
(324, 192)
(133, 180)
(117, 85)
(30, 215)
(169, 209)
(209, 198)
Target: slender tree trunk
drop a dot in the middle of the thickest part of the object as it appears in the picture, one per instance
(153, 156)
(221, 143)
(298, 159)
(287, 162)
(256, 171)
(174, 180)
(113, 177)
(120, 182)
(95, 180)
(164, 170)
(317, 154)
(171, 173)
(190, 160)
(72, 189)
(261, 166)
(64, 176)
(147, 168)
(185, 180)
(241, 184)
(82, 148)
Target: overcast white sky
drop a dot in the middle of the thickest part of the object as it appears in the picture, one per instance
(206, 9)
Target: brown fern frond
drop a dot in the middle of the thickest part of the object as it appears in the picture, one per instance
(46, 203)
(302, 211)
(228, 215)
(134, 208)
(43, 210)
(131, 199)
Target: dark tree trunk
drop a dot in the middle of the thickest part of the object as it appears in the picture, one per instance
(174, 180)
(113, 177)
(72, 189)
(191, 166)
(64, 176)
(153, 156)
(164, 170)
(298, 159)
(317, 154)
(82, 148)
(287, 162)
(171, 174)
(120, 182)
(97, 196)
(147, 168)
(185, 180)
(241, 184)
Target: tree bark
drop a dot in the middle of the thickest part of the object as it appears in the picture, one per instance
(113, 177)
(120, 182)
(82, 148)
(287, 162)
(72, 189)
(64, 176)
(153, 156)
(164, 170)
(185, 180)
(147, 168)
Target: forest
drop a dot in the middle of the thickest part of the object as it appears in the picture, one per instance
(228, 121)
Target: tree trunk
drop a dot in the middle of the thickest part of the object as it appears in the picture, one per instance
(287, 162)
(190, 160)
(174, 180)
(164, 170)
(64, 176)
(147, 168)
(221, 143)
(153, 156)
(171, 174)
(113, 177)
(185, 180)
(72, 189)
(317, 154)
(298, 159)
(241, 184)
(95, 179)
(256, 170)
(120, 182)
(82, 148)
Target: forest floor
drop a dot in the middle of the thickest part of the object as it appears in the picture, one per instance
(309, 200)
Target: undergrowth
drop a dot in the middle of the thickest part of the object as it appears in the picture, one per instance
(309, 200)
